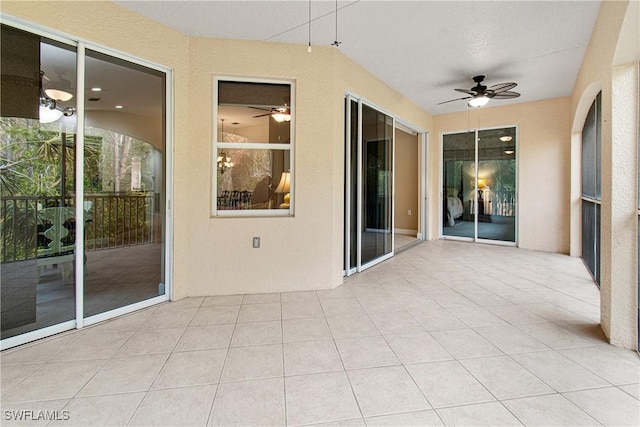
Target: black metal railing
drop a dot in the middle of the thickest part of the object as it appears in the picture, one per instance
(111, 221)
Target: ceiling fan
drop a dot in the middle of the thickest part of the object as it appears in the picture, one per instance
(279, 114)
(480, 94)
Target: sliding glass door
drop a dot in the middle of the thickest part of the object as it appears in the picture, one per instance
(369, 186)
(82, 185)
(479, 185)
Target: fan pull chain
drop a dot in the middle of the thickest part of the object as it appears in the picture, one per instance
(309, 47)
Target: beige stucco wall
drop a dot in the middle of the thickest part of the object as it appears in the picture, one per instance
(611, 65)
(543, 151)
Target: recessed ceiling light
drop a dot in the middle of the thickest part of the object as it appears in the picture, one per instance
(506, 138)
(96, 89)
(119, 107)
(509, 151)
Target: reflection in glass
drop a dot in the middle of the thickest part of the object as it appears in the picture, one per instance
(377, 169)
(37, 186)
(259, 179)
(496, 199)
(482, 193)
(124, 185)
(458, 184)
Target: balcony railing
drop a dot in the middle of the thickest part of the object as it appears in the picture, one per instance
(111, 221)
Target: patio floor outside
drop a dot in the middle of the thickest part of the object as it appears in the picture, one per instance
(444, 333)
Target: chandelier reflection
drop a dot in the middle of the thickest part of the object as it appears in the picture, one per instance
(224, 161)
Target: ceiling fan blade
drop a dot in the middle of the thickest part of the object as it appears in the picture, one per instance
(261, 115)
(452, 100)
(467, 91)
(506, 95)
(262, 109)
(501, 87)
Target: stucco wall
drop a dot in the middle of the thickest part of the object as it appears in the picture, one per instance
(543, 166)
(611, 65)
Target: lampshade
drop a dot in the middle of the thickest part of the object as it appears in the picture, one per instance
(58, 95)
(283, 186)
(281, 117)
(49, 115)
(478, 101)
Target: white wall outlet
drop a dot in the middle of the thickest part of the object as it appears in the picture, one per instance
(256, 242)
(409, 212)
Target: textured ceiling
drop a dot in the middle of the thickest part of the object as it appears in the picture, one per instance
(423, 49)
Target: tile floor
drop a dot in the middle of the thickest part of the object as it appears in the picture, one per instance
(445, 333)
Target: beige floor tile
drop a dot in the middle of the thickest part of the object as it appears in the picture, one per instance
(259, 312)
(40, 351)
(125, 374)
(189, 406)
(631, 390)
(351, 326)
(178, 318)
(366, 289)
(252, 363)
(408, 419)
(485, 414)
(474, 316)
(191, 368)
(216, 315)
(437, 319)
(14, 374)
(515, 314)
(610, 406)
(504, 378)
(555, 336)
(319, 398)
(413, 303)
(417, 347)
(358, 422)
(299, 297)
(379, 304)
(618, 366)
(257, 333)
(94, 344)
(112, 410)
(448, 384)
(365, 352)
(55, 381)
(395, 322)
(341, 307)
(222, 300)
(205, 337)
(336, 293)
(465, 343)
(130, 321)
(261, 298)
(249, 403)
(149, 341)
(558, 371)
(302, 310)
(384, 391)
(296, 330)
(311, 357)
(510, 339)
(549, 410)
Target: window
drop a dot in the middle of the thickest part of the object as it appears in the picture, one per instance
(591, 189)
(253, 155)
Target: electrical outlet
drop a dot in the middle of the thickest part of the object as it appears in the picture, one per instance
(409, 212)
(256, 242)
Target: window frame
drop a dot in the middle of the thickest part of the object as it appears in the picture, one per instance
(220, 145)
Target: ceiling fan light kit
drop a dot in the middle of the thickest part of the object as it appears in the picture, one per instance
(479, 95)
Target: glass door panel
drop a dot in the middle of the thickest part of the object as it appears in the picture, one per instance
(458, 208)
(37, 186)
(377, 161)
(124, 183)
(496, 184)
